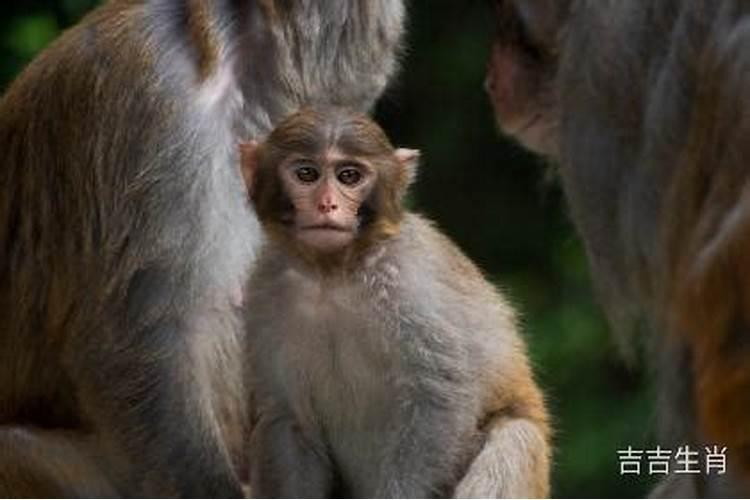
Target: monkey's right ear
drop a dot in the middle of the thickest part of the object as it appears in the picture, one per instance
(409, 160)
(249, 163)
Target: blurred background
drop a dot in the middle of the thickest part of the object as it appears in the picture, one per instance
(501, 205)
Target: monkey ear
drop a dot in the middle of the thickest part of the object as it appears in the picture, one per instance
(409, 160)
(249, 163)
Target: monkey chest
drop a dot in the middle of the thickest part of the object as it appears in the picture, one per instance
(353, 374)
(334, 360)
(342, 382)
(340, 363)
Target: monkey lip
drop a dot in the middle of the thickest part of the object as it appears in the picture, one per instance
(520, 128)
(326, 227)
(326, 237)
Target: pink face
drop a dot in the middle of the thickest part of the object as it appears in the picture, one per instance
(520, 80)
(326, 194)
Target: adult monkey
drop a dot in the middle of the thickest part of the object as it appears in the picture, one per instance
(124, 235)
(645, 105)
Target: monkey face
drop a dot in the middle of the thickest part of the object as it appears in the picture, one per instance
(328, 180)
(326, 197)
(521, 71)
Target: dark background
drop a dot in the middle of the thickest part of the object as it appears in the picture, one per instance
(505, 209)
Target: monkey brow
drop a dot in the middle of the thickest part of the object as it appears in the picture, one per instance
(358, 144)
(309, 144)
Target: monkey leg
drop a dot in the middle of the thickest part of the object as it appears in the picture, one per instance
(286, 464)
(50, 464)
(512, 463)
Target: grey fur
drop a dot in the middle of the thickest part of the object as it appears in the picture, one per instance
(376, 383)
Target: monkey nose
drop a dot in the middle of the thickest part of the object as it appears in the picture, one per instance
(327, 207)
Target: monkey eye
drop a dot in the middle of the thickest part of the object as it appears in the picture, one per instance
(349, 176)
(307, 173)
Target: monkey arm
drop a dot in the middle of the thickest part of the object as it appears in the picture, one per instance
(152, 411)
(479, 365)
(514, 459)
(513, 462)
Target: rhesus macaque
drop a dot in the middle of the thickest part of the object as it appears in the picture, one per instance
(126, 236)
(381, 361)
(645, 105)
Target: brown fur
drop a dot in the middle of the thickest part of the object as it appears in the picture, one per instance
(205, 37)
(51, 464)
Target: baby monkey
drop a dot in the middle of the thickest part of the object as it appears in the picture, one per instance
(382, 363)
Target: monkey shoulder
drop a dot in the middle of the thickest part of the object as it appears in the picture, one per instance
(427, 251)
(442, 282)
(452, 300)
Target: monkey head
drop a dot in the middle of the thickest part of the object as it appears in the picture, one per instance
(327, 181)
(522, 69)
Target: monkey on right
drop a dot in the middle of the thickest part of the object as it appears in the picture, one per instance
(644, 104)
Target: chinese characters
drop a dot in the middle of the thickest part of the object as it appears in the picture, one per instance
(663, 461)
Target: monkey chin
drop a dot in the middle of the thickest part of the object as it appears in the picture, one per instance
(325, 239)
(537, 134)
(533, 128)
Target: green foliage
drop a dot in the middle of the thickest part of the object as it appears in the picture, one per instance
(491, 197)
(30, 34)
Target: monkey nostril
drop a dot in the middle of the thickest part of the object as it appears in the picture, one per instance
(327, 207)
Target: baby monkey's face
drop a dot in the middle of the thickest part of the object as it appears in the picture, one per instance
(326, 193)
(328, 179)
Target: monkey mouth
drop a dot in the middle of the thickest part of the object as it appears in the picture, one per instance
(326, 227)
(326, 237)
(527, 125)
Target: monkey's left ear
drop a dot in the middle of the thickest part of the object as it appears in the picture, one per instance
(249, 163)
(409, 160)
